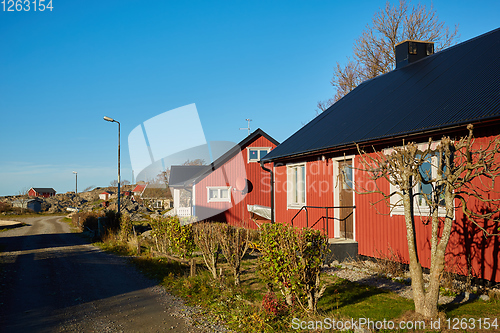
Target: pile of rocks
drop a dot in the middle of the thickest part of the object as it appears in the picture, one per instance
(89, 201)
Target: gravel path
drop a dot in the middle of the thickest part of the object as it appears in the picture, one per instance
(363, 274)
(54, 281)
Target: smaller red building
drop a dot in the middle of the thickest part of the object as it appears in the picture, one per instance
(104, 195)
(43, 192)
(228, 189)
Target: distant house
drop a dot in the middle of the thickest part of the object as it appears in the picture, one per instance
(33, 204)
(427, 95)
(104, 195)
(137, 191)
(41, 192)
(159, 196)
(228, 189)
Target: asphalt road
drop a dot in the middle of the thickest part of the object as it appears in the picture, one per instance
(54, 281)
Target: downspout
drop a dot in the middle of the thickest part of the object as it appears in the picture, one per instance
(272, 189)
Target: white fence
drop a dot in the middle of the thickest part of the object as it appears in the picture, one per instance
(184, 211)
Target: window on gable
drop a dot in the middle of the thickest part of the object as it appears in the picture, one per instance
(219, 194)
(296, 186)
(256, 154)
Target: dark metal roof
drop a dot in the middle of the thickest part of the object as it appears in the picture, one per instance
(456, 86)
(182, 175)
(44, 189)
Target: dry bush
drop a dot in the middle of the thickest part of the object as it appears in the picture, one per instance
(86, 220)
(234, 243)
(5, 207)
(206, 237)
(8, 208)
(393, 264)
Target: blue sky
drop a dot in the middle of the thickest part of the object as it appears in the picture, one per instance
(271, 61)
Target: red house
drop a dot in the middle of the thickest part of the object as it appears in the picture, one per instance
(138, 189)
(41, 192)
(426, 95)
(233, 189)
(104, 195)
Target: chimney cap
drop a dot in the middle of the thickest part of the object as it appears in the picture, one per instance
(409, 51)
(414, 41)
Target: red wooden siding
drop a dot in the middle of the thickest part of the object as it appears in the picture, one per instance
(319, 192)
(384, 236)
(236, 212)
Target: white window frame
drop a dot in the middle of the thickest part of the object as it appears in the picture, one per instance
(292, 186)
(268, 149)
(397, 200)
(219, 188)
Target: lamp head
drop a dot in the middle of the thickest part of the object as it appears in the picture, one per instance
(109, 119)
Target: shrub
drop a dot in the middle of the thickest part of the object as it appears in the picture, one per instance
(206, 237)
(172, 237)
(292, 260)
(126, 227)
(234, 243)
(112, 220)
(272, 306)
(5, 207)
(86, 220)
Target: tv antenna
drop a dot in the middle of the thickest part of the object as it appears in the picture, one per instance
(247, 128)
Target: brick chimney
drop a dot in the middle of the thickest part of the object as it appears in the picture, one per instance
(410, 51)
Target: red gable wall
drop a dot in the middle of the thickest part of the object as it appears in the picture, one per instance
(236, 212)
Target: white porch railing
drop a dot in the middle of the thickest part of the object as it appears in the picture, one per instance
(184, 211)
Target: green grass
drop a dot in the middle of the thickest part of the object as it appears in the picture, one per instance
(240, 307)
(116, 247)
(345, 299)
(27, 214)
(474, 309)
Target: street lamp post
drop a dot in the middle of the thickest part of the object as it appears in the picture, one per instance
(76, 182)
(114, 121)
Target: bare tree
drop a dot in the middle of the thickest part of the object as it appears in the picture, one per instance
(374, 50)
(198, 161)
(163, 177)
(114, 183)
(463, 173)
(23, 198)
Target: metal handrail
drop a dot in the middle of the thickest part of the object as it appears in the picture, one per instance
(326, 217)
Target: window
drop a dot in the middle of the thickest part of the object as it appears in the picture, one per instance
(347, 183)
(422, 192)
(255, 154)
(219, 194)
(296, 186)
